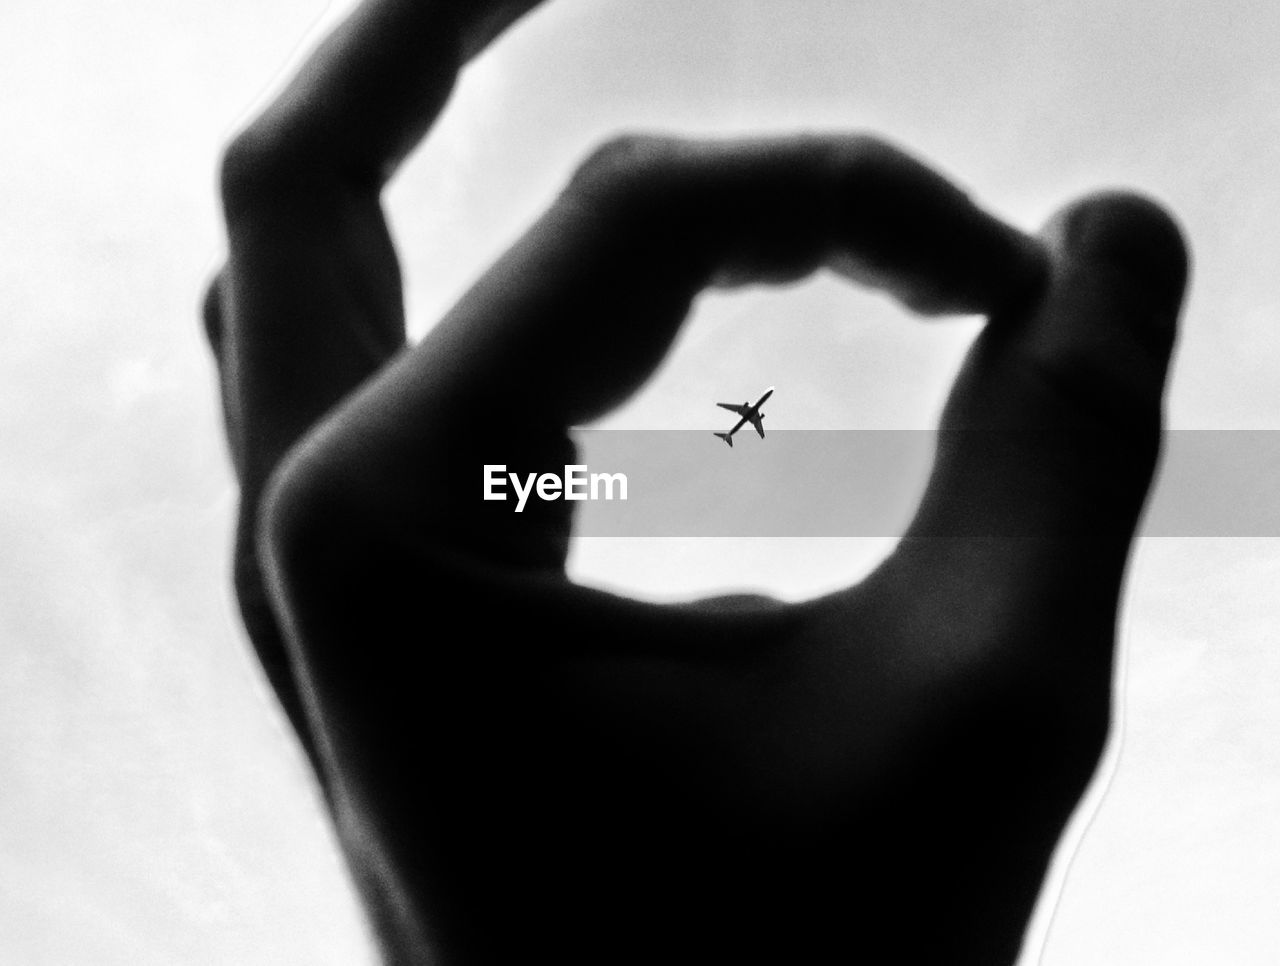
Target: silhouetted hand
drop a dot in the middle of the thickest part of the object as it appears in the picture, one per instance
(518, 766)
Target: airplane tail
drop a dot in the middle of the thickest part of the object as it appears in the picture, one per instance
(727, 437)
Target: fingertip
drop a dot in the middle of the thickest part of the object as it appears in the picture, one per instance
(1133, 235)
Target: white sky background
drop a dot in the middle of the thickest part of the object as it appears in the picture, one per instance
(153, 808)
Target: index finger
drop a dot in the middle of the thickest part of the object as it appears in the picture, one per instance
(598, 287)
(581, 309)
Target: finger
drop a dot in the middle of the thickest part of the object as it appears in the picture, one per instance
(579, 312)
(374, 85)
(598, 288)
(309, 304)
(1061, 397)
(1051, 436)
(214, 322)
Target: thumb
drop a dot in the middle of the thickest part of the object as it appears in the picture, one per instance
(1053, 427)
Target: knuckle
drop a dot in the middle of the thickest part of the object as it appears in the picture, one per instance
(1102, 383)
(304, 515)
(625, 166)
(211, 313)
(241, 165)
(873, 172)
(254, 167)
(1077, 723)
(1070, 740)
(289, 510)
(862, 153)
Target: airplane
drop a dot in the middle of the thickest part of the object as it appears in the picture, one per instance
(749, 413)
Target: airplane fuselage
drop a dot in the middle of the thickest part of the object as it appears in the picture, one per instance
(748, 413)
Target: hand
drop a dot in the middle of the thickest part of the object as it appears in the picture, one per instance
(518, 764)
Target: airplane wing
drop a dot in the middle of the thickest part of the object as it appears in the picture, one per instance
(755, 421)
(735, 408)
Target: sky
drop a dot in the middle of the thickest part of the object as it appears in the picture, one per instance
(153, 806)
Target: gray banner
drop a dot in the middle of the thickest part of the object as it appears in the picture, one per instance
(867, 483)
